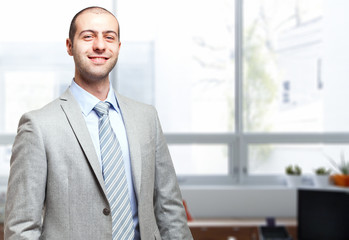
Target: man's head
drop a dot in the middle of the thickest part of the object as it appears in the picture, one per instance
(97, 10)
(94, 43)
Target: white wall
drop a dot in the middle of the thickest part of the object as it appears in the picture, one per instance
(336, 65)
(236, 202)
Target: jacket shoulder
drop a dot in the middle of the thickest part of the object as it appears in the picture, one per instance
(48, 111)
(135, 105)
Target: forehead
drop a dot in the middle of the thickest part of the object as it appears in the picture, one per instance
(96, 21)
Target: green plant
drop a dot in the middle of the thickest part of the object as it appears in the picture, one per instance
(293, 170)
(343, 166)
(322, 171)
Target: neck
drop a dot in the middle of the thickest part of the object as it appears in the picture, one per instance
(99, 88)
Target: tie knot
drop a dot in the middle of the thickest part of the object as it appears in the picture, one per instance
(102, 108)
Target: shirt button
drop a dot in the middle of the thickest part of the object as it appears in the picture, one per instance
(106, 211)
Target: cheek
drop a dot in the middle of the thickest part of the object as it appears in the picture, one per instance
(116, 52)
(114, 48)
(81, 48)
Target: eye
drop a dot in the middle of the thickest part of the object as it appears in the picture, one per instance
(88, 37)
(111, 38)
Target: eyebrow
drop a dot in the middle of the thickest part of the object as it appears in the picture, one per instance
(94, 32)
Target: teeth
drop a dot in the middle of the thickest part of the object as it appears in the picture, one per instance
(98, 58)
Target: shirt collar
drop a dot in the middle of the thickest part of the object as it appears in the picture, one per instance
(87, 101)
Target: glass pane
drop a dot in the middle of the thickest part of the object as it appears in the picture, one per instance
(23, 91)
(5, 154)
(188, 46)
(295, 58)
(273, 159)
(200, 159)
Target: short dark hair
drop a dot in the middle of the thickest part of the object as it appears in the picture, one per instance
(94, 9)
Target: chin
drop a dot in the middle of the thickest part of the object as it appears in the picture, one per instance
(94, 77)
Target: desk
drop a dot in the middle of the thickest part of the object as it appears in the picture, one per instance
(218, 229)
(1, 231)
(241, 229)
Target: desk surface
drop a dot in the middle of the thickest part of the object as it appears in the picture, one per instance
(207, 223)
(242, 229)
(243, 222)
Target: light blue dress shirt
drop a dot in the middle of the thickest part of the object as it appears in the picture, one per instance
(87, 102)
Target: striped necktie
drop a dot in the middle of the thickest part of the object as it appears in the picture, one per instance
(114, 175)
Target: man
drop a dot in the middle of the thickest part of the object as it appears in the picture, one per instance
(93, 164)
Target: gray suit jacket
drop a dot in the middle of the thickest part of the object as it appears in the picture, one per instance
(56, 189)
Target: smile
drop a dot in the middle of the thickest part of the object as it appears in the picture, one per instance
(98, 59)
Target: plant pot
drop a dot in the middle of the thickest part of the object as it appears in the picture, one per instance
(340, 180)
(294, 181)
(322, 181)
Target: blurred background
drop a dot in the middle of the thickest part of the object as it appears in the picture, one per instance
(243, 88)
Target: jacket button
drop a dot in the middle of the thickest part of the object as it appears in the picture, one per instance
(106, 211)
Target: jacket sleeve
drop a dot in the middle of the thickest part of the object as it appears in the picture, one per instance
(169, 211)
(27, 183)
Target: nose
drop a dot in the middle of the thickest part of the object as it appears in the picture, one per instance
(99, 44)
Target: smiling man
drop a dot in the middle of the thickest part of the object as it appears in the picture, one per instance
(93, 164)
(95, 48)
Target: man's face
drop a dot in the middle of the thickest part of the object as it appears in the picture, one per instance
(95, 47)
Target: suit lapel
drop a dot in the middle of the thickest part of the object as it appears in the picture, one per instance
(132, 137)
(73, 113)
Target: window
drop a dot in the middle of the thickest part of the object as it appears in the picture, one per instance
(191, 52)
(243, 88)
(186, 55)
(283, 72)
(292, 82)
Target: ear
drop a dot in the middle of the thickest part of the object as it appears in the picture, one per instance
(69, 46)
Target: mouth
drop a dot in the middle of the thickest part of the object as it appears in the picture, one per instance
(98, 59)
